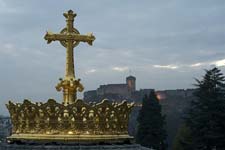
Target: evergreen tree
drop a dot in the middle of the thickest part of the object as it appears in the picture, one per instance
(206, 116)
(151, 122)
(183, 139)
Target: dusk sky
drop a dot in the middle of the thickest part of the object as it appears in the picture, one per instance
(165, 44)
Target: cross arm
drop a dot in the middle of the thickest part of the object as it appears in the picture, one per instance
(49, 36)
(89, 38)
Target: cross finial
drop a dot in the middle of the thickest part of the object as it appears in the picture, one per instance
(70, 14)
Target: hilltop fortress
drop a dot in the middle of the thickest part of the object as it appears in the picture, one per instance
(127, 91)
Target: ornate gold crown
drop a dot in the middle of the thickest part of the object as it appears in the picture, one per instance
(78, 118)
(50, 119)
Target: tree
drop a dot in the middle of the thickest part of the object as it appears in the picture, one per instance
(206, 115)
(183, 139)
(151, 123)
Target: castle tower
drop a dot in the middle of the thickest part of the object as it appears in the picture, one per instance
(131, 83)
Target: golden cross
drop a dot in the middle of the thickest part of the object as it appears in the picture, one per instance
(69, 37)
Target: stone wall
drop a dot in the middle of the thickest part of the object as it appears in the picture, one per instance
(121, 89)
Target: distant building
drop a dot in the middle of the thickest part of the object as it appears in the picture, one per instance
(175, 93)
(118, 89)
(5, 127)
(127, 91)
(117, 92)
(131, 83)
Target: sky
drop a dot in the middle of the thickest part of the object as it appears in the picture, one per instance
(165, 44)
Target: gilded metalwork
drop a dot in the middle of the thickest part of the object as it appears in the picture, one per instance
(69, 37)
(73, 120)
(79, 118)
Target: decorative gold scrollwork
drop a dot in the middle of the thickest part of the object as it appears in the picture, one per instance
(78, 118)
